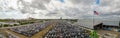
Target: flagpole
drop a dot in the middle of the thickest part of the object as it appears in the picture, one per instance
(95, 8)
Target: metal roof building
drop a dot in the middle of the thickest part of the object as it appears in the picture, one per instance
(91, 23)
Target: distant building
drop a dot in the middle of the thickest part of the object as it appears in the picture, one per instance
(30, 18)
(108, 24)
(60, 17)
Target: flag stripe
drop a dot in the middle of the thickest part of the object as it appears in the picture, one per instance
(95, 12)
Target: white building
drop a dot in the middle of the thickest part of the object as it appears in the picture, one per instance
(90, 23)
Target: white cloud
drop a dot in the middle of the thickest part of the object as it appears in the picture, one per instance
(56, 9)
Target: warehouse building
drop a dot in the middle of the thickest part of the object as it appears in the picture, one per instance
(98, 24)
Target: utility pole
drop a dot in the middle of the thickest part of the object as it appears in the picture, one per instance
(119, 24)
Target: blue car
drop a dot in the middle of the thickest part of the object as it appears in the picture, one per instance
(107, 29)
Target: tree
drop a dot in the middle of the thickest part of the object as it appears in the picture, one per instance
(15, 24)
(0, 25)
(93, 34)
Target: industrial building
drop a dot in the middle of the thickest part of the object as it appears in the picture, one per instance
(98, 24)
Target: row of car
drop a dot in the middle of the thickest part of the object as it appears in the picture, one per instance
(66, 30)
(30, 29)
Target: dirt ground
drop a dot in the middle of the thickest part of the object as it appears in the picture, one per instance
(107, 34)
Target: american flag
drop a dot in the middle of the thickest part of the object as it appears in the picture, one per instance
(96, 13)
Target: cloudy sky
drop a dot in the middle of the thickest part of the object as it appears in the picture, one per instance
(54, 9)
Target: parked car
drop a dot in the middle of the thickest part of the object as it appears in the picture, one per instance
(107, 29)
